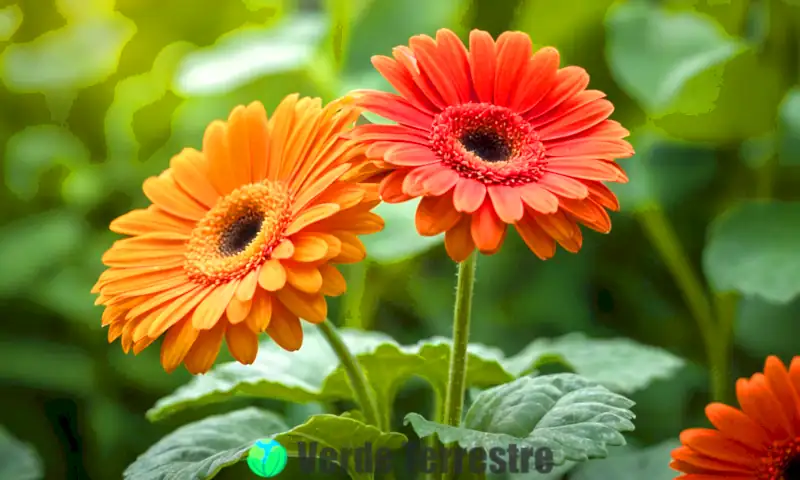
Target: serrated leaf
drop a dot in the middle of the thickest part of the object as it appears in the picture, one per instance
(200, 450)
(575, 418)
(18, 460)
(339, 432)
(650, 463)
(619, 364)
(246, 54)
(654, 54)
(297, 377)
(399, 239)
(391, 364)
(752, 249)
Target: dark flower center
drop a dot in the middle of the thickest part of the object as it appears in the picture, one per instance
(489, 146)
(240, 234)
(792, 470)
(488, 143)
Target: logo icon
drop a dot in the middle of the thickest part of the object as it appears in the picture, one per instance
(267, 458)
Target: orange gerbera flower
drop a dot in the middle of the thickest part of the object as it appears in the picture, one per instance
(495, 136)
(759, 442)
(241, 236)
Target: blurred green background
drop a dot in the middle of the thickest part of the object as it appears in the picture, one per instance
(96, 95)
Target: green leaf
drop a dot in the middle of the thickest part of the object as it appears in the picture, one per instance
(752, 249)
(764, 328)
(200, 450)
(244, 55)
(664, 171)
(789, 128)
(575, 418)
(650, 463)
(18, 461)
(59, 233)
(339, 433)
(298, 377)
(390, 365)
(657, 56)
(619, 364)
(399, 240)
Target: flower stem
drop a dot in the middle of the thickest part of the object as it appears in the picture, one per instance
(454, 398)
(358, 381)
(663, 237)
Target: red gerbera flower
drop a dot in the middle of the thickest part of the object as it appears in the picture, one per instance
(759, 442)
(493, 136)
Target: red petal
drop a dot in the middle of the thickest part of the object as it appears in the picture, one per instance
(487, 228)
(456, 57)
(578, 121)
(514, 49)
(575, 103)
(391, 188)
(431, 63)
(588, 213)
(540, 243)
(436, 215)
(507, 202)
(569, 82)
(605, 149)
(440, 182)
(563, 186)
(458, 240)
(408, 155)
(468, 195)
(414, 183)
(395, 107)
(538, 198)
(402, 81)
(586, 169)
(538, 79)
(482, 62)
(405, 56)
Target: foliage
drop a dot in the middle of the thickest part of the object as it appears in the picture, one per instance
(97, 95)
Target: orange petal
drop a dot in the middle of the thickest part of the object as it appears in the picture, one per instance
(507, 202)
(353, 249)
(333, 282)
(242, 343)
(248, 285)
(309, 248)
(272, 276)
(487, 228)
(215, 149)
(190, 170)
(311, 216)
(458, 240)
(538, 198)
(260, 312)
(211, 309)
(283, 250)
(205, 349)
(285, 329)
(562, 229)
(167, 195)
(303, 277)
(239, 146)
(177, 343)
(310, 307)
(540, 243)
(238, 310)
(177, 310)
(468, 195)
(436, 215)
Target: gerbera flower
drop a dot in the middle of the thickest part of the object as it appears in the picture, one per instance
(240, 237)
(494, 136)
(759, 442)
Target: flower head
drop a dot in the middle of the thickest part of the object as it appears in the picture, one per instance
(240, 236)
(494, 136)
(759, 442)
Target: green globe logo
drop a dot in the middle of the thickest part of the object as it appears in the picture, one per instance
(267, 458)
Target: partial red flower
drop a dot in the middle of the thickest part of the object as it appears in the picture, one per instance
(498, 135)
(241, 237)
(759, 442)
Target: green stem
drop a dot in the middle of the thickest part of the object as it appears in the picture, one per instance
(358, 381)
(663, 237)
(454, 399)
(356, 292)
(726, 307)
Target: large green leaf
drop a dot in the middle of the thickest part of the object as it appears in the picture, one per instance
(575, 418)
(651, 464)
(299, 377)
(752, 249)
(18, 461)
(764, 328)
(399, 240)
(339, 433)
(200, 450)
(10, 20)
(655, 54)
(619, 364)
(390, 365)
